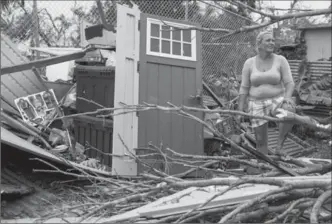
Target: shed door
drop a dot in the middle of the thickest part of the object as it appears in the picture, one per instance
(126, 89)
(170, 71)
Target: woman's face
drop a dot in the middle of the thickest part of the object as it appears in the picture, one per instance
(267, 43)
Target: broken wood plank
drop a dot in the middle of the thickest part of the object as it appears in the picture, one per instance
(11, 190)
(44, 62)
(10, 139)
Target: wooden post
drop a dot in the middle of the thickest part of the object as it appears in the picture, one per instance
(186, 11)
(36, 28)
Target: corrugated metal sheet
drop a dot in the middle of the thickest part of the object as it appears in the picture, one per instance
(290, 146)
(16, 84)
(316, 68)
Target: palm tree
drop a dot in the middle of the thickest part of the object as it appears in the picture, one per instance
(6, 3)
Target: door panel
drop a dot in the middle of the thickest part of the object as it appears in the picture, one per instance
(126, 89)
(162, 80)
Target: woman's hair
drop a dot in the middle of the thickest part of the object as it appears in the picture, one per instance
(260, 36)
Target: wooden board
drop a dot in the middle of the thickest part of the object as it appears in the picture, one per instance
(13, 140)
(192, 197)
(126, 88)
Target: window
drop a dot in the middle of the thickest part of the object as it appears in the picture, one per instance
(165, 40)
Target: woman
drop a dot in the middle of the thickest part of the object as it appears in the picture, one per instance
(267, 84)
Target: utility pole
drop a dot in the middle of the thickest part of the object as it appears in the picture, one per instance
(36, 28)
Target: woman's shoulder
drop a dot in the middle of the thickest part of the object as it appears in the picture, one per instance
(282, 61)
(249, 61)
(280, 58)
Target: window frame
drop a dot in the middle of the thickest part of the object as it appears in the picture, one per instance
(193, 42)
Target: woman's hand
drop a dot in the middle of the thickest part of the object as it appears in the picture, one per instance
(288, 104)
(289, 100)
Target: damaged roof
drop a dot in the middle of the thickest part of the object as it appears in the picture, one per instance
(316, 26)
(17, 84)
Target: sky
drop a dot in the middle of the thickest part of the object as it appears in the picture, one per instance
(306, 4)
(58, 7)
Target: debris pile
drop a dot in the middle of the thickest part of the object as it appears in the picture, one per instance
(42, 123)
(246, 186)
(214, 196)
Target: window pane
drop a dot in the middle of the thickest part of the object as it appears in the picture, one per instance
(166, 34)
(155, 28)
(166, 47)
(154, 45)
(187, 50)
(186, 35)
(176, 48)
(176, 34)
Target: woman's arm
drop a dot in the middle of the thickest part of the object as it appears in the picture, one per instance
(245, 85)
(287, 78)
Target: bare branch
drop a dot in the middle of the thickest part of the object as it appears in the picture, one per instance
(280, 9)
(288, 210)
(275, 20)
(52, 21)
(219, 6)
(238, 3)
(320, 201)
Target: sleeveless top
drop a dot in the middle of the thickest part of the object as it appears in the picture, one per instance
(271, 76)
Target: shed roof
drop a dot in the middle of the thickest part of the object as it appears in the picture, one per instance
(315, 26)
(16, 84)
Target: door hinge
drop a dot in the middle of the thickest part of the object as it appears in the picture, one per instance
(139, 25)
(138, 66)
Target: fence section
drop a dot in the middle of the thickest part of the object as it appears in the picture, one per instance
(57, 24)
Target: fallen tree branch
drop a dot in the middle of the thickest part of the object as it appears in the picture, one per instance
(300, 184)
(288, 210)
(127, 199)
(322, 169)
(318, 204)
(240, 208)
(262, 212)
(275, 19)
(284, 116)
(209, 200)
(222, 158)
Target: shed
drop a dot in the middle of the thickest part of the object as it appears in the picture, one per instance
(318, 41)
(154, 67)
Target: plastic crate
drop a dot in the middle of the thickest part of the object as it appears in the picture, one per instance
(94, 83)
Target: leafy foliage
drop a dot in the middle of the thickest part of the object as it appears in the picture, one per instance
(6, 3)
(19, 24)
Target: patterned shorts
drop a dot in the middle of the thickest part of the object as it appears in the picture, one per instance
(263, 108)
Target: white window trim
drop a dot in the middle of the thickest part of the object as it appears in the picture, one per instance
(179, 25)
